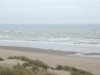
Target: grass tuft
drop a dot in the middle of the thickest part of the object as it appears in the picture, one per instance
(30, 62)
(59, 67)
(72, 70)
(1, 59)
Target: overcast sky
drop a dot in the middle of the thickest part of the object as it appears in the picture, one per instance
(49, 11)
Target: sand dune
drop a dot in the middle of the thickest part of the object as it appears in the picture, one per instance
(53, 59)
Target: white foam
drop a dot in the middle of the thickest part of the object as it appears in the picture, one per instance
(69, 40)
(82, 48)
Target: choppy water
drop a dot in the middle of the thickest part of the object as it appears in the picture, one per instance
(84, 39)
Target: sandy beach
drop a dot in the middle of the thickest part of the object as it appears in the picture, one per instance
(54, 58)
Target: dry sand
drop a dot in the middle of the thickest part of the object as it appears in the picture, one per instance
(54, 58)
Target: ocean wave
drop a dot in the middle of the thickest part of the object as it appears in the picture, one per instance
(66, 40)
(81, 49)
(69, 40)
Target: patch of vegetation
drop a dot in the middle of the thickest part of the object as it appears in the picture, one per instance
(59, 67)
(16, 57)
(46, 73)
(26, 64)
(75, 71)
(37, 67)
(30, 62)
(14, 71)
(80, 72)
(1, 59)
(66, 68)
(72, 70)
(20, 70)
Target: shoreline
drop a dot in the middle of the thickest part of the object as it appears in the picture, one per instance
(51, 51)
(38, 50)
(64, 48)
(85, 63)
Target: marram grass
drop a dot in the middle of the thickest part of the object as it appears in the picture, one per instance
(37, 67)
(1, 59)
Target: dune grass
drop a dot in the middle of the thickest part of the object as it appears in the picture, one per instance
(1, 59)
(14, 71)
(30, 62)
(37, 67)
(72, 70)
(19, 70)
(59, 67)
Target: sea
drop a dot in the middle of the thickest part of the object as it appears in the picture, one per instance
(83, 40)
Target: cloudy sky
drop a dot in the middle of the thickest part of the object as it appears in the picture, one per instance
(49, 11)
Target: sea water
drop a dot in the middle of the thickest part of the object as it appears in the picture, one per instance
(84, 40)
